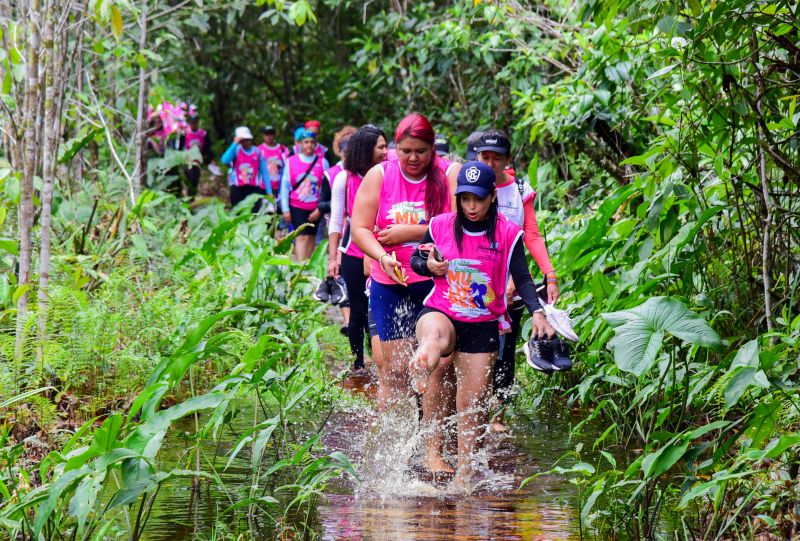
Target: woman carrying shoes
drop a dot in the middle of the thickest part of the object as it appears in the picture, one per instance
(470, 254)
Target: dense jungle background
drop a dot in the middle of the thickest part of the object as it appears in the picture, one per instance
(662, 141)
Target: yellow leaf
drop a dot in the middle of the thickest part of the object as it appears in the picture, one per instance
(116, 21)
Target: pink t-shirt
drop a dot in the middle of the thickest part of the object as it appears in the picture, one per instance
(402, 202)
(274, 156)
(193, 138)
(247, 167)
(353, 182)
(331, 173)
(306, 195)
(474, 288)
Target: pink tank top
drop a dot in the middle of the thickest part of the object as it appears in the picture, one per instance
(274, 157)
(474, 288)
(247, 166)
(331, 173)
(402, 201)
(305, 196)
(353, 182)
(194, 139)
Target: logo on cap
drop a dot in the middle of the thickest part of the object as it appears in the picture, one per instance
(473, 174)
(491, 141)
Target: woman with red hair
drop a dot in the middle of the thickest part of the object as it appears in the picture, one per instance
(393, 206)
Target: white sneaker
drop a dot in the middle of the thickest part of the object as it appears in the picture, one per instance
(560, 321)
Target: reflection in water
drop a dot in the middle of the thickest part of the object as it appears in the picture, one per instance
(394, 500)
(504, 517)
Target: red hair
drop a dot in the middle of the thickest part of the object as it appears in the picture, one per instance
(312, 124)
(436, 187)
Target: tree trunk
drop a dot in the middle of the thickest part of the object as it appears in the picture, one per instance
(140, 167)
(29, 161)
(50, 61)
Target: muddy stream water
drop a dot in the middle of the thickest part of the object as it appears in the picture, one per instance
(394, 500)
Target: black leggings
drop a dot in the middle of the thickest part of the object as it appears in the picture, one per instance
(505, 363)
(352, 270)
(239, 193)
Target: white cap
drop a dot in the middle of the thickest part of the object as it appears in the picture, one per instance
(243, 132)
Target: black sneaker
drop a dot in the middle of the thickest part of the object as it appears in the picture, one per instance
(344, 330)
(338, 291)
(539, 354)
(561, 360)
(323, 292)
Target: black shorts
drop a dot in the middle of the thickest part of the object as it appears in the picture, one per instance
(483, 337)
(300, 217)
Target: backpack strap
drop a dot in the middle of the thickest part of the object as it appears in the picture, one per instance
(304, 175)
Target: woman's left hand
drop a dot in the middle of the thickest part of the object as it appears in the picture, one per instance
(393, 234)
(552, 292)
(540, 327)
(314, 216)
(438, 268)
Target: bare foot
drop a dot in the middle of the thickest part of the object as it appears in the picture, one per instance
(418, 368)
(498, 426)
(436, 464)
(462, 482)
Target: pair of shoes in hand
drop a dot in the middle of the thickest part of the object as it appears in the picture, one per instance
(548, 356)
(331, 290)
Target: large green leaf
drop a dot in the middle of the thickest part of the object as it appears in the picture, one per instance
(160, 421)
(744, 377)
(762, 422)
(657, 463)
(640, 331)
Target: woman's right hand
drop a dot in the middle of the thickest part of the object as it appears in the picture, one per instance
(287, 216)
(333, 267)
(392, 268)
(438, 268)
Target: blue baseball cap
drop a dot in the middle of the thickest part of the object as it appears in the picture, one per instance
(307, 134)
(472, 140)
(476, 178)
(495, 141)
(298, 133)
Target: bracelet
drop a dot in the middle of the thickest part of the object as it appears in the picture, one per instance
(380, 259)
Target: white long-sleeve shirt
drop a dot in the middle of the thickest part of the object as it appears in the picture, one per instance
(338, 203)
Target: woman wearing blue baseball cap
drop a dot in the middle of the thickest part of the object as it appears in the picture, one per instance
(469, 254)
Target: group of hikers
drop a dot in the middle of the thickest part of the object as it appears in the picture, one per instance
(431, 252)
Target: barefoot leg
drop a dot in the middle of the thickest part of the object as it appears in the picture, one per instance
(436, 336)
(474, 376)
(436, 410)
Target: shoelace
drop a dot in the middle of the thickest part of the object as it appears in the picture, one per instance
(550, 310)
(541, 349)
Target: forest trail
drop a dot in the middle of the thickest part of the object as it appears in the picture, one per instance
(399, 502)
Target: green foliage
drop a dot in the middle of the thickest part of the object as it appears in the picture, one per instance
(640, 332)
(661, 139)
